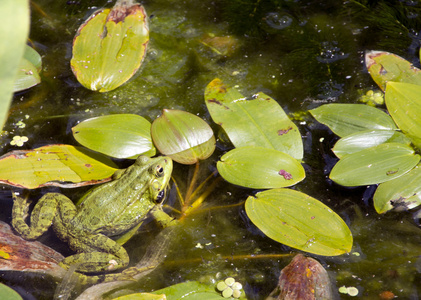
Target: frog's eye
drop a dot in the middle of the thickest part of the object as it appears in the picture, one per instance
(159, 171)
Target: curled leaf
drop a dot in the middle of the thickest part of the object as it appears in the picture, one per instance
(184, 137)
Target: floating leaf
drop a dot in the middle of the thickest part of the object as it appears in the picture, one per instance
(29, 68)
(27, 256)
(13, 35)
(403, 101)
(259, 122)
(27, 76)
(368, 138)
(54, 165)
(120, 135)
(110, 46)
(299, 221)
(374, 165)
(33, 56)
(141, 296)
(384, 67)
(346, 119)
(402, 193)
(260, 168)
(8, 293)
(184, 137)
(191, 290)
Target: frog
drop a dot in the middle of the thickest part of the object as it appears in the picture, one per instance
(104, 218)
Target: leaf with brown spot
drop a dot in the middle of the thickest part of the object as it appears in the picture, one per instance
(252, 122)
(110, 46)
(55, 165)
(384, 66)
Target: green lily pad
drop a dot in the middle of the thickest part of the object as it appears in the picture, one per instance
(385, 67)
(402, 193)
(374, 165)
(29, 68)
(260, 168)
(184, 137)
(55, 165)
(8, 294)
(13, 36)
(346, 119)
(27, 76)
(110, 46)
(368, 138)
(33, 56)
(299, 221)
(191, 290)
(403, 101)
(260, 122)
(141, 296)
(120, 135)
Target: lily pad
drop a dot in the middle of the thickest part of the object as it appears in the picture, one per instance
(8, 293)
(368, 138)
(184, 137)
(120, 135)
(110, 46)
(29, 68)
(374, 165)
(260, 168)
(402, 193)
(299, 221)
(385, 67)
(27, 76)
(346, 119)
(403, 101)
(191, 290)
(260, 122)
(55, 165)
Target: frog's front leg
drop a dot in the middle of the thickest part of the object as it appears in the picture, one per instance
(51, 208)
(97, 253)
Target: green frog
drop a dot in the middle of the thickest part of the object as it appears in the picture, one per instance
(114, 209)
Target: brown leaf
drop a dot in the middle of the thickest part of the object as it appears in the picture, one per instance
(26, 255)
(304, 278)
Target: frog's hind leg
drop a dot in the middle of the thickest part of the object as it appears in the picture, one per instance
(97, 253)
(42, 216)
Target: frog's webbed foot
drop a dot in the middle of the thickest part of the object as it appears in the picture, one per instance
(94, 262)
(97, 253)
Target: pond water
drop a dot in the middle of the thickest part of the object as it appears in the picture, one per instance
(301, 53)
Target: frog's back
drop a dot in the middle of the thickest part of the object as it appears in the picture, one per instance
(116, 206)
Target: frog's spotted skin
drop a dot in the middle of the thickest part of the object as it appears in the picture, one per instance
(112, 209)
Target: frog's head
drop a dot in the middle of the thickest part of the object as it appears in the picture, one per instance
(159, 170)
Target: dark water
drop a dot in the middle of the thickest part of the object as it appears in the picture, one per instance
(301, 53)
